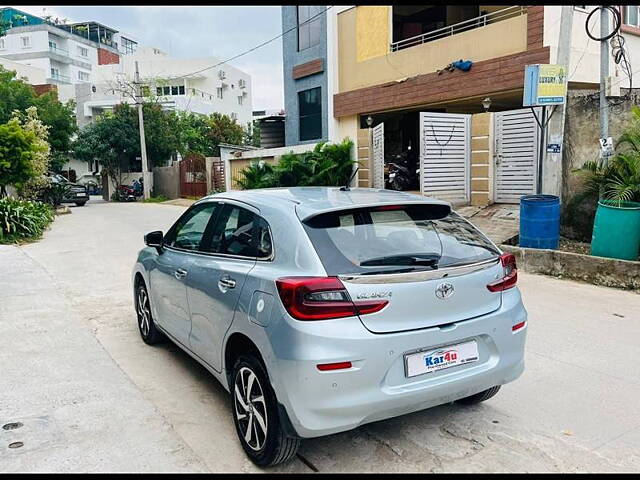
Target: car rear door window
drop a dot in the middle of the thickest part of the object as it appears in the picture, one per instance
(395, 239)
(233, 233)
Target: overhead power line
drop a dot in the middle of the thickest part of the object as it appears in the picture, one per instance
(253, 48)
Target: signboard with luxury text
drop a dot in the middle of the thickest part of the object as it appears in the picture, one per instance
(544, 85)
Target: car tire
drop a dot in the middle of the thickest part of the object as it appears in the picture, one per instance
(253, 398)
(80, 204)
(479, 397)
(147, 327)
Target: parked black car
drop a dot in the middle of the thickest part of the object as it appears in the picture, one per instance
(77, 193)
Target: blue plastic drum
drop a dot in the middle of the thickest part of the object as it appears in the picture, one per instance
(540, 221)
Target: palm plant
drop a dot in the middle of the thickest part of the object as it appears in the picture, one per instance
(619, 179)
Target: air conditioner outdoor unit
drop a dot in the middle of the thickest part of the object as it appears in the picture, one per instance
(241, 83)
(221, 74)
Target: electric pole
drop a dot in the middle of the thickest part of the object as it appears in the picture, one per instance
(551, 180)
(604, 73)
(146, 174)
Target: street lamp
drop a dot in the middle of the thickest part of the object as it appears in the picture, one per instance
(369, 121)
(486, 103)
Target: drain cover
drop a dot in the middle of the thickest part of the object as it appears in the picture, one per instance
(12, 425)
(16, 445)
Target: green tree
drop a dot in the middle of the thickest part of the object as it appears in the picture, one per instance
(60, 118)
(15, 94)
(161, 135)
(18, 147)
(31, 123)
(203, 134)
(112, 140)
(223, 129)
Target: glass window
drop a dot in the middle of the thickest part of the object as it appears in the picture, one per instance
(158, 91)
(167, 90)
(174, 90)
(219, 92)
(233, 233)
(310, 112)
(309, 19)
(83, 52)
(263, 239)
(395, 238)
(181, 90)
(189, 230)
(26, 42)
(632, 15)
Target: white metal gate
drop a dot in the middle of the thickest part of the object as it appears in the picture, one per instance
(445, 156)
(515, 154)
(378, 156)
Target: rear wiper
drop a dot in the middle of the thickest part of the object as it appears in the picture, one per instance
(430, 260)
(388, 272)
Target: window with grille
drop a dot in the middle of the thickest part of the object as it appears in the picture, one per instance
(83, 76)
(310, 114)
(219, 92)
(26, 42)
(83, 52)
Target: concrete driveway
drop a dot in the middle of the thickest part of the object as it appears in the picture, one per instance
(93, 397)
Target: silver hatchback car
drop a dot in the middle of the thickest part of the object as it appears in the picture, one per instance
(321, 309)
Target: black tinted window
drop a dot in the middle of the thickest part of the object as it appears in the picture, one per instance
(189, 230)
(403, 238)
(233, 233)
(310, 112)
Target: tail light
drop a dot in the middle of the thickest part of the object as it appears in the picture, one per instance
(510, 276)
(321, 298)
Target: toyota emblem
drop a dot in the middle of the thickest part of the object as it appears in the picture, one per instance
(444, 290)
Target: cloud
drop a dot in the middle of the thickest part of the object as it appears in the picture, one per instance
(187, 32)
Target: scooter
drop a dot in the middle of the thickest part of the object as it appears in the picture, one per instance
(131, 193)
(403, 174)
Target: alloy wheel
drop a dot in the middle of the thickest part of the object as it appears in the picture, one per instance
(250, 408)
(144, 312)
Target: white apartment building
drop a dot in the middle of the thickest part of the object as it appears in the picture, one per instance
(67, 53)
(223, 89)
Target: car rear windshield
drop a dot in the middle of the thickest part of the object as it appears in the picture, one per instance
(395, 239)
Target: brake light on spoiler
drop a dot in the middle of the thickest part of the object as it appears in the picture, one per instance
(510, 276)
(322, 298)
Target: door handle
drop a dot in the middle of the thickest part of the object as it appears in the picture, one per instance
(226, 282)
(180, 273)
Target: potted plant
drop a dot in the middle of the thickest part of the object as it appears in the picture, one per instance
(616, 229)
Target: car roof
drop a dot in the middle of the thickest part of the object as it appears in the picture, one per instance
(311, 201)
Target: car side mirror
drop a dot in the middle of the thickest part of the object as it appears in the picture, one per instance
(154, 239)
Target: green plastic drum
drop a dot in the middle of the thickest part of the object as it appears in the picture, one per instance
(616, 230)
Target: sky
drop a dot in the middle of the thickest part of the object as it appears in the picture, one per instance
(186, 32)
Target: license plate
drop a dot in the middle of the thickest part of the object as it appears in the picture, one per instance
(441, 358)
(80, 194)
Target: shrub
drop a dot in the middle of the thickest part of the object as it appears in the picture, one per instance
(158, 199)
(23, 219)
(53, 193)
(326, 165)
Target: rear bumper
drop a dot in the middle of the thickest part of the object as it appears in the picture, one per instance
(321, 403)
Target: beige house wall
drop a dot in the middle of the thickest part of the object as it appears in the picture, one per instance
(365, 58)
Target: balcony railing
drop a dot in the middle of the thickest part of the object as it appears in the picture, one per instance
(60, 78)
(59, 51)
(481, 21)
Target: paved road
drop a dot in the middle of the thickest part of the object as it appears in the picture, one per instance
(93, 397)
